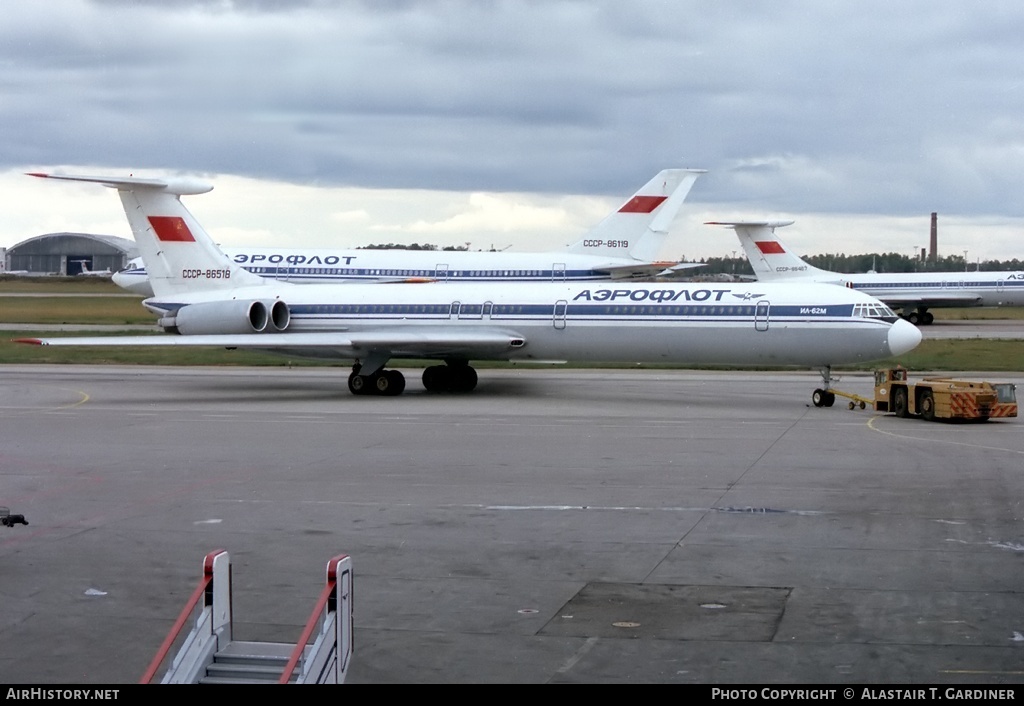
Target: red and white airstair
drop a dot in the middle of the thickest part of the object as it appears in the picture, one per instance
(208, 654)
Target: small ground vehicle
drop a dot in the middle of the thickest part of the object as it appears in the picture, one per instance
(938, 398)
(9, 520)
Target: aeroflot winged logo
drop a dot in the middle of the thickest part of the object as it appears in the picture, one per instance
(661, 295)
(171, 229)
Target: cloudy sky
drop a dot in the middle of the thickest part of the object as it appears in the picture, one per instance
(520, 124)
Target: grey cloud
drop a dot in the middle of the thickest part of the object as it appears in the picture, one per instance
(874, 107)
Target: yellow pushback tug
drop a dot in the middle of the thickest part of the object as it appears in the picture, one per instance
(933, 398)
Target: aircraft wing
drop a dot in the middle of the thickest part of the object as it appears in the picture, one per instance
(413, 342)
(946, 300)
(680, 269)
(647, 269)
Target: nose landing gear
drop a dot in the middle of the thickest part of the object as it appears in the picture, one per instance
(826, 397)
(823, 398)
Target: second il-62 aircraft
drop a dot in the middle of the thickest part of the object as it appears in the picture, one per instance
(911, 292)
(624, 245)
(205, 299)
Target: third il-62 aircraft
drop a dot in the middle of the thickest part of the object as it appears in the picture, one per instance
(204, 299)
(624, 245)
(912, 292)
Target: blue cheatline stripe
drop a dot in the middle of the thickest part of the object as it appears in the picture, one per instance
(375, 273)
(647, 311)
(951, 283)
(608, 310)
(645, 314)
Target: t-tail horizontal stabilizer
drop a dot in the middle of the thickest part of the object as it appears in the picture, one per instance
(180, 256)
(769, 257)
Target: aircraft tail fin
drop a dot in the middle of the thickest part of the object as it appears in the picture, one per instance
(768, 255)
(638, 228)
(180, 256)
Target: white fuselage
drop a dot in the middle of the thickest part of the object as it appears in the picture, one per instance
(699, 324)
(326, 266)
(937, 289)
(773, 261)
(624, 244)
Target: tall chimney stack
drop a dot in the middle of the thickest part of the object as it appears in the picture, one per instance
(933, 253)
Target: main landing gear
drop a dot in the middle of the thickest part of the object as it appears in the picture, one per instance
(452, 377)
(921, 317)
(383, 382)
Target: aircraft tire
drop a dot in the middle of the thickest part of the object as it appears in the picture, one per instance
(358, 384)
(465, 379)
(818, 398)
(450, 378)
(434, 378)
(830, 399)
(927, 318)
(395, 382)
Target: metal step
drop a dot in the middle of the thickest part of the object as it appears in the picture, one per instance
(248, 663)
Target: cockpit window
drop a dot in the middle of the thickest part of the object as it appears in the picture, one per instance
(875, 311)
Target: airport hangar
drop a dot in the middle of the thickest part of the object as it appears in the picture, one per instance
(66, 253)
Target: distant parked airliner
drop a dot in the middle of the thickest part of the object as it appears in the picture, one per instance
(624, 245)
(912, 292)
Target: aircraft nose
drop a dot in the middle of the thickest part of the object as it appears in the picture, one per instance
(903, 337)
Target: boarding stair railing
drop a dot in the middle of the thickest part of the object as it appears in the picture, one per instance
(208, 654)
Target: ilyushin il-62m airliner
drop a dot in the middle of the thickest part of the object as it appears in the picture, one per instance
(625, 244)
(912, 292)
(204, 299)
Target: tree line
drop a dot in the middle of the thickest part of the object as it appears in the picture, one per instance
(869, 262)
(413, 246)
